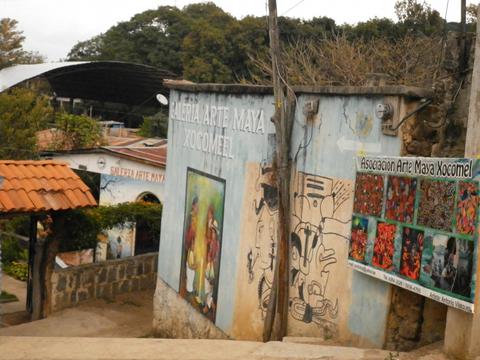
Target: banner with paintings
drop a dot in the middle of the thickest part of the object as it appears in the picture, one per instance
(202, 240)
(415, 225)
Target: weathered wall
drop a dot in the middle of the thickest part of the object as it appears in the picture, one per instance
(247, 146)
(116, 190)
(103, 280)
(327, 299)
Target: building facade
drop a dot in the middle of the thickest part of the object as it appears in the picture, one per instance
(219, 242)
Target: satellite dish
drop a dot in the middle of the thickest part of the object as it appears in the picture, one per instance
(162, 99)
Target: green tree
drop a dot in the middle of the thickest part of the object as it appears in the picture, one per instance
(374, 29)
(155, 126)
(77, 132)
(11, 45)
(22, 114)
(88, 49)
(208, 50)
(153, 37)
(418, 17)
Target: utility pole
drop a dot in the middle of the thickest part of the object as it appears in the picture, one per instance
(275, 324)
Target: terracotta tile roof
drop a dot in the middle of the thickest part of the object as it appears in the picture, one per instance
(34, 186)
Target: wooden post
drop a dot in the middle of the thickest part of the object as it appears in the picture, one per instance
(463, 329)
(464, 50)
(275, 324)
(38, 279)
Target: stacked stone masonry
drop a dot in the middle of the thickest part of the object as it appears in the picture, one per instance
(103, 280)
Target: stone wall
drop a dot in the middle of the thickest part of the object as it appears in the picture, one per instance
(103, 280)
(174, 318)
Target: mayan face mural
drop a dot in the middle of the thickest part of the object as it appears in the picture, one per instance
(202, 239)
(320, 220)
(261, 258)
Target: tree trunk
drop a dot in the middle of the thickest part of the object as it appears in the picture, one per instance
(51, 251)
(37, 279)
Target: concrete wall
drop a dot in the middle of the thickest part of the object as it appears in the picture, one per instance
(327, 299)
(107, 164)
(116, 190)
(103, 280)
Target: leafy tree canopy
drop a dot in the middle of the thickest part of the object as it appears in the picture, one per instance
(203, 43)
(11, 45)
(22, 114)
(77, 131)
(155, 126)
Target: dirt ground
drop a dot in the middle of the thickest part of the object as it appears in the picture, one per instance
(17, 288)
(130, 315)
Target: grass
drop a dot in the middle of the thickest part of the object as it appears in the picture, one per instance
(6, 297)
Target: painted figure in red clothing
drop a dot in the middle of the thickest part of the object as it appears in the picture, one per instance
(213, 247)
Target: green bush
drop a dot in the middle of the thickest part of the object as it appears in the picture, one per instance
(155, 126)
(11, 250)
(17, 270)
(83, 225)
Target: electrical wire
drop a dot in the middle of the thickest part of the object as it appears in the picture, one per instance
(293, 7)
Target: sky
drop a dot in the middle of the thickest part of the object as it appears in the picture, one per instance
(53, 27)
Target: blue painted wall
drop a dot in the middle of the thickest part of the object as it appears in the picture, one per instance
(246, 147)
(326, 146)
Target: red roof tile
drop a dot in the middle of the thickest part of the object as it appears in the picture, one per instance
(34, 186)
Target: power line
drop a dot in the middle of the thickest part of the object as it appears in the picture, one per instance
(293, 7)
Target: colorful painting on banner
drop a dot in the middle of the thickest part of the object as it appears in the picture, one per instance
(384, 247)
(437, 203)
(424, 237)
(400, 200)
(359, 237)
(202, 240)
(369, 194)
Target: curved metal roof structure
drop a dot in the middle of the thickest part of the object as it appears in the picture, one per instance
(109, 81)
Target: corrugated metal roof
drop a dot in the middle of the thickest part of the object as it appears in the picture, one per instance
(110, 81)
(36, 186)
(156, 155)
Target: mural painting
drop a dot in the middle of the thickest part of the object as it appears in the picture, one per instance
(321, 222)
(202, 239)
(320, 228)
(119, 242)
(425, 240)
(262, 256)
(258, 248)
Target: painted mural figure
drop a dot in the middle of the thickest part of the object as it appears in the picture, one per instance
(317, 204)
(213, 247)
(204, 204)
(262, 257)
(190, 243)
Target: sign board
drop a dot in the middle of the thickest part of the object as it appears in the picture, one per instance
(415, 225)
